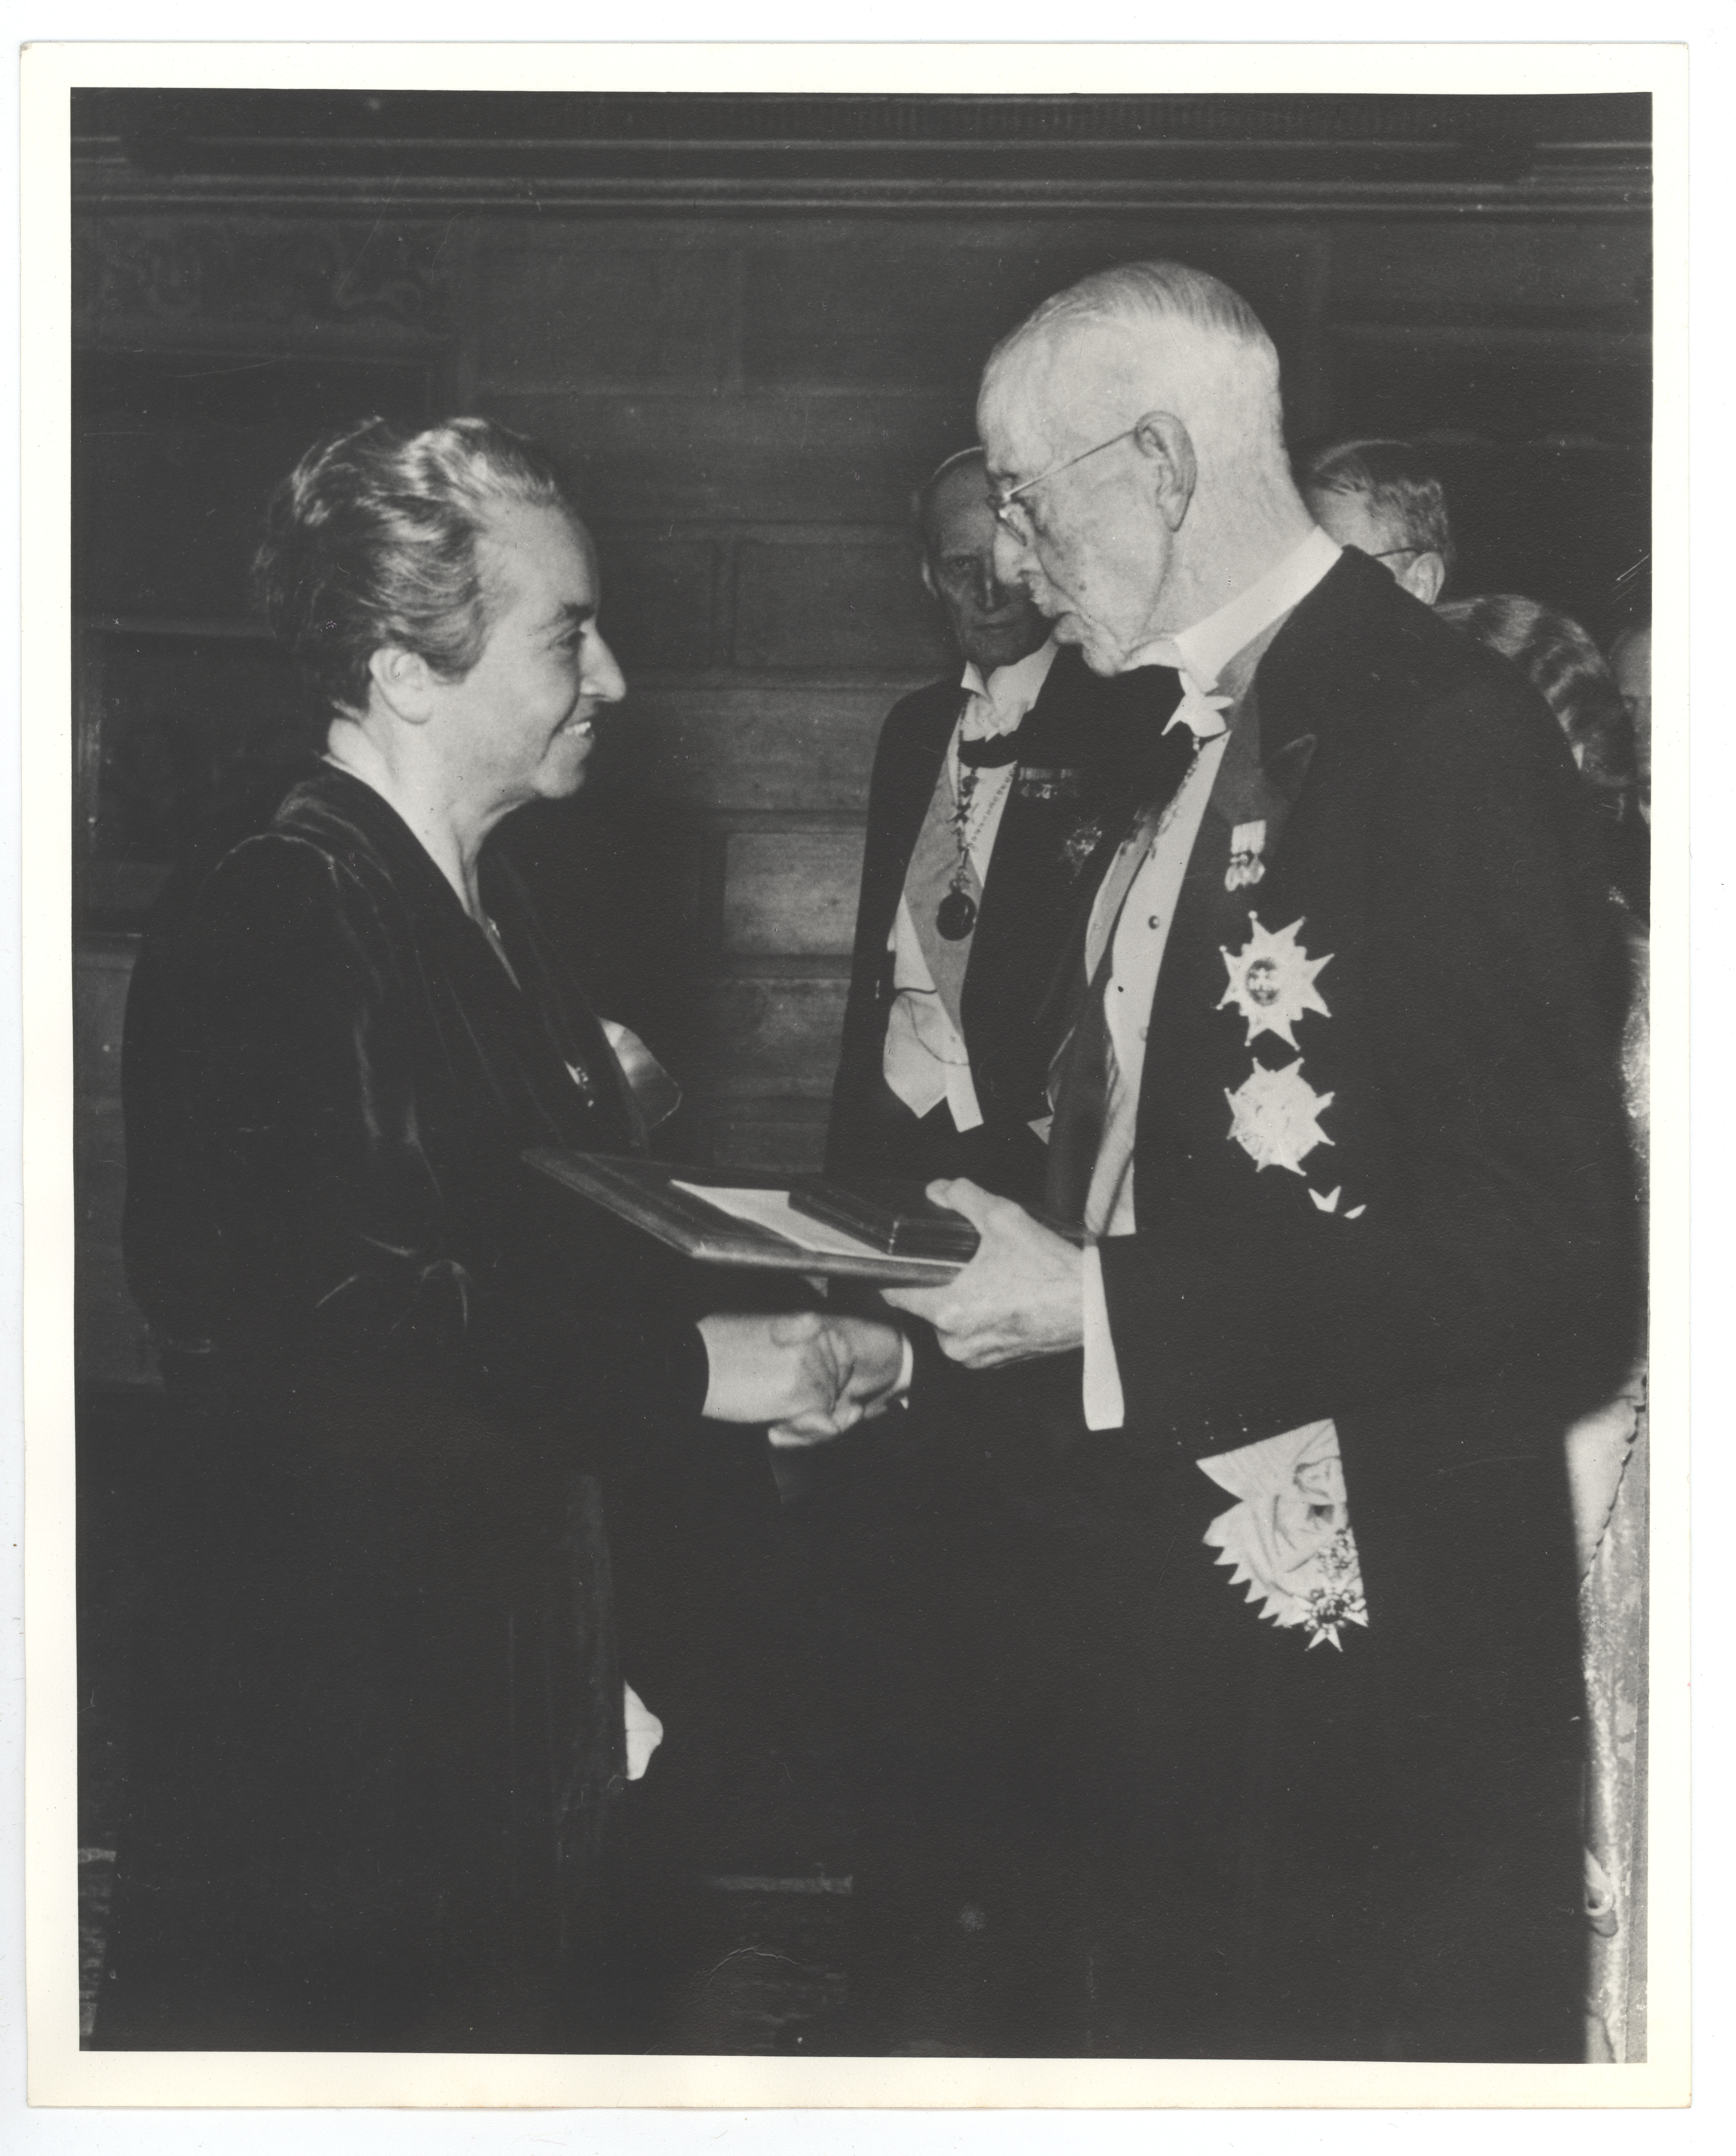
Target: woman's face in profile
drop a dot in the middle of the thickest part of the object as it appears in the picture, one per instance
(518, 726)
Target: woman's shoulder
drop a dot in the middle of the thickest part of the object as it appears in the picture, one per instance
(314, 850)
(271, 874)
(271, 901)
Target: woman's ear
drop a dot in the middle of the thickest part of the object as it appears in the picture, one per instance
(1165, 443)
(404, 683)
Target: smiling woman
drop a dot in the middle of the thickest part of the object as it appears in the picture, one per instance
(517, 726)
(378, 1706)
(468, 685)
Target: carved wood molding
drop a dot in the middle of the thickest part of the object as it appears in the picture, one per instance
(287, 277)
(538, 153)
(1557, 187)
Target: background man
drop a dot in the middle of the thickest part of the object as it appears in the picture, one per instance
(1340, 1113)
(1382, 497)
(990, 798)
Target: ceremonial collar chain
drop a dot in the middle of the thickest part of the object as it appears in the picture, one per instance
(956, 914)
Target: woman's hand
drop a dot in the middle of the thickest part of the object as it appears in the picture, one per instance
(807, 1374)
(878, 1357)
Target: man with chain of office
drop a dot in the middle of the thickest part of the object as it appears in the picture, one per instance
(991, 797)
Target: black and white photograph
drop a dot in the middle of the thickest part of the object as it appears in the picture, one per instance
(860, 893)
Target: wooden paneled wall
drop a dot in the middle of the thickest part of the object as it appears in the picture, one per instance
(745, 402)
(746, 407)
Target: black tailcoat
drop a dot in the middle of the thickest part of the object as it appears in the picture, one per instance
(1370, 1851)
(376, 1725)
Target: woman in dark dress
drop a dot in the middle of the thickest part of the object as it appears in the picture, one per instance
(378, 1728)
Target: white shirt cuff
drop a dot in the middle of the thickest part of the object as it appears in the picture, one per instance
(1104, 1407)
(907, 1370)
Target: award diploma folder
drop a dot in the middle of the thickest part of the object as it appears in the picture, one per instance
(738, 1217)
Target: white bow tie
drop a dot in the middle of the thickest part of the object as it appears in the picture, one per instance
(984, 716)
(1200, 706)
(1198, 710)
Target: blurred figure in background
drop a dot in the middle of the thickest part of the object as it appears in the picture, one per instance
(1382, 498)
(1607, 1454)
(1562, 663)
(1630, 662)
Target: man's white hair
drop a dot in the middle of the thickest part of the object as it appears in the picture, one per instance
(1197, 348)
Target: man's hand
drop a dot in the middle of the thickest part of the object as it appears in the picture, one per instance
(808, 1375)
(870, 1359)
(1020, 1296)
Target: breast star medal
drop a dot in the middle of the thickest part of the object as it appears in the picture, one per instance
(1081, 843)
(1274, 1117)
(1272, 980)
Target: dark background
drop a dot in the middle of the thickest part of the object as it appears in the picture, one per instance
(747, 327)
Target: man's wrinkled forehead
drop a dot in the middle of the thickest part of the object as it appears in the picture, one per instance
(1056, 390)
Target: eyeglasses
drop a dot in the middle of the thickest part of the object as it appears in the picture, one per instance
(1017, 520)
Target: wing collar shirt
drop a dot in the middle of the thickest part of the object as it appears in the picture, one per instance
(924, 1059)
(1140, 932)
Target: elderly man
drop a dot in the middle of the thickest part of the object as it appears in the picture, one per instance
(1382, 498)
(996, 800)
(1340, 1115)
(990, 797)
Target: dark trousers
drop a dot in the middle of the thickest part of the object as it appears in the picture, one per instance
(1110, 1811)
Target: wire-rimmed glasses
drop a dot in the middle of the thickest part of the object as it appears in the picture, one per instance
(1010, 513)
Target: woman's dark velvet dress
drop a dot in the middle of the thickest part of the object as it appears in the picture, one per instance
(377, 1721)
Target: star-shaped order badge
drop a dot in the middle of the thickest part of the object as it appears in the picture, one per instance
(1272, 980)
(1274, 1117)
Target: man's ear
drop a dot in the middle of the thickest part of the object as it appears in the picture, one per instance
(1423, 576)
(1161, 438)
(928, 582)
(404, 682)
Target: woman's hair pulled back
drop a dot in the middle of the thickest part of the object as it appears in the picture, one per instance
(372, 541)
(1570, 673)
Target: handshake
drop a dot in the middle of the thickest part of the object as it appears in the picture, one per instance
(807, 1374)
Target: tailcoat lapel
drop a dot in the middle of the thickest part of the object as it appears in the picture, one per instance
(1258, 784)
(1304, 687)
(1084, 743)
(1138, 762)
(907, 789)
